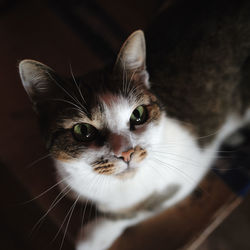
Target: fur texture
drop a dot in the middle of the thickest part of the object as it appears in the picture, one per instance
(198, 94)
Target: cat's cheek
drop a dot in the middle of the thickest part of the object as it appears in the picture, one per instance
(140, 155)
(110, 168)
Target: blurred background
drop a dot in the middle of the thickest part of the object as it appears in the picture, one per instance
(85, 34)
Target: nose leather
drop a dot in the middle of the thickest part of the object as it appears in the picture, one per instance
(127, 155)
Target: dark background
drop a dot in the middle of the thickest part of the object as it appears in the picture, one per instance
(85, 34)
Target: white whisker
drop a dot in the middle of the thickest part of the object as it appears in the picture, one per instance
(77, 85)
(65, 91)
(70, 215)
(46, 191)
(53, 204)
(38, 160)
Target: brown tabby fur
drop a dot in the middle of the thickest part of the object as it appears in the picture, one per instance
(198, 60)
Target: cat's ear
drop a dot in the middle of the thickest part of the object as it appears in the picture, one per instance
(36, 79)
(132, 56)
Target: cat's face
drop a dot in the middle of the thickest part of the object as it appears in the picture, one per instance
(105, 121)
(114, 138)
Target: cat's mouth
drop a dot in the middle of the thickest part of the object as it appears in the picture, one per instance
(117, 167)
(127, 173)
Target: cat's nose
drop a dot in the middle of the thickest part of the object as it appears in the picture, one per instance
(126, 156)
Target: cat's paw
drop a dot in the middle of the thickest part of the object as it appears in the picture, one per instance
(94, 242)
(100, 234)
(89, 245)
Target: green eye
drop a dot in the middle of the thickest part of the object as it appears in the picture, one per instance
(139, 116)
(84, 132)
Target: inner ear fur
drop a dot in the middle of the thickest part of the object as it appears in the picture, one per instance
(132, 58)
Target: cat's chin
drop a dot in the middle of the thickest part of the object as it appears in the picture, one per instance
(127, 173)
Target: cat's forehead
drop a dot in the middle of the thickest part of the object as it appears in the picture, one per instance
(117, 110)
(112, 111)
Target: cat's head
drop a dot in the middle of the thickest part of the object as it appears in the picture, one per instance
(105, 121)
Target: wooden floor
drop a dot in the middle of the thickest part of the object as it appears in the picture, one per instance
(36, 30)
(233, 233)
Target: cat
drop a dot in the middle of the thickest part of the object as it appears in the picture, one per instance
(136, 138)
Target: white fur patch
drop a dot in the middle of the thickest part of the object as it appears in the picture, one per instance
(174, 157)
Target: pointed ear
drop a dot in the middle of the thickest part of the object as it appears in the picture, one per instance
(132, 56)
(36, 79)
(133, 52)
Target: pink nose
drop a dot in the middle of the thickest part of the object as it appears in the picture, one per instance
(127, 155)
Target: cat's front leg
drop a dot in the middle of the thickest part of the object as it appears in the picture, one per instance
(102, 232)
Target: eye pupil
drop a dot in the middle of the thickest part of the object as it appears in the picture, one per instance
(84, 130)
(139, 115)
(136, 113)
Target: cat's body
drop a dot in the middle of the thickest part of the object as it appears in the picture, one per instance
(135, 150)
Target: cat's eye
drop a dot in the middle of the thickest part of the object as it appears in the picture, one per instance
(84, 132)
(139, 115)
